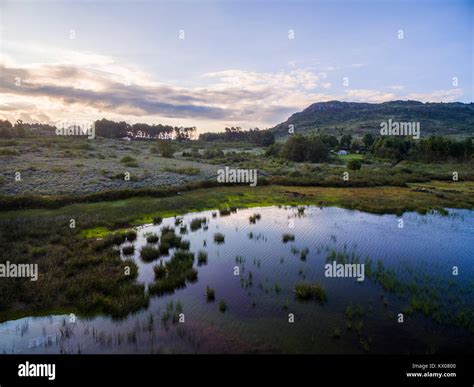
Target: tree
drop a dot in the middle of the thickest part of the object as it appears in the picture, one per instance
(345, 142)
(295, 148)
(316, 151)
(368, 140)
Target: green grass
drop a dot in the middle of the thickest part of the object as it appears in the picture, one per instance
(179, 269)
(351, 156)
(190, 171)
(127, 159)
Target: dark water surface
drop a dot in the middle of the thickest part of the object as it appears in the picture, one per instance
(357, 317)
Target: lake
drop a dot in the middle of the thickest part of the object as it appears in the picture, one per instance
(417, 295)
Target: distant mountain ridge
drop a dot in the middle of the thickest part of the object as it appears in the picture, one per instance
(336, 117)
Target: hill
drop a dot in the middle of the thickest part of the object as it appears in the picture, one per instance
(335, 117)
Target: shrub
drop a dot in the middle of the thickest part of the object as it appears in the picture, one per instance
(288, 237)
(354, 165)
(157, 220)
(127, 159)
(190, 171)
(166, 149)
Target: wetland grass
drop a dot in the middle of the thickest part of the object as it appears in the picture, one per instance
(219, 238)
(310, 291)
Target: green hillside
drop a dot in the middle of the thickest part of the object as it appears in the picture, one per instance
(337, 117)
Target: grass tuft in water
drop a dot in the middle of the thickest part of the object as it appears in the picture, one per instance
(219, 238)
(222, 306)
(306, 291)
(210, 294)
(128, 250)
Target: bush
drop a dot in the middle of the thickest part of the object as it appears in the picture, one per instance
(166, 149)
(354, 165)
(127, 159)
(157, 220)
(288, 237)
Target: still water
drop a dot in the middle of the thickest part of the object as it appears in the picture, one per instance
(264, 316)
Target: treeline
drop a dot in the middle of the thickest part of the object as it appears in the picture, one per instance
(112, 129)
(317, 148)
(301, 148)
(432, 149)
(255, 136)
(20, 129)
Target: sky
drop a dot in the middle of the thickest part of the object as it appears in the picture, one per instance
(213, 64)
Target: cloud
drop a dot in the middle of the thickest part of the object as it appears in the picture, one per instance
(59, 84)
